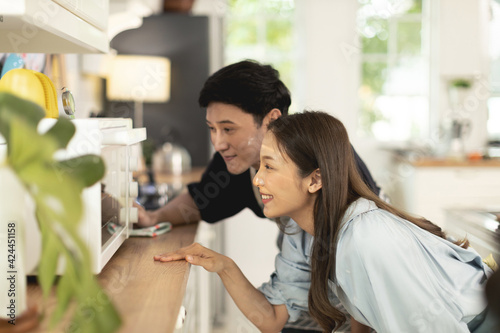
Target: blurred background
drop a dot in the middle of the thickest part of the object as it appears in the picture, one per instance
(416, 82)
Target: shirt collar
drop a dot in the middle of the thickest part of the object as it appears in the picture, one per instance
(358, 207)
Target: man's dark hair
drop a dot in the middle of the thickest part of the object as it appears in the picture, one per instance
(253, 87)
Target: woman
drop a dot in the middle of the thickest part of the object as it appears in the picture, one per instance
(391, 271)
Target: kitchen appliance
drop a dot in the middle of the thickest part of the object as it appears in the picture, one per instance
(171, 158)
(481, 226)
(460, 128)
(108, 201)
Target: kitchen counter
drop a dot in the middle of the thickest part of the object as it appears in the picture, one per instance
(429, 162)
(147, 294)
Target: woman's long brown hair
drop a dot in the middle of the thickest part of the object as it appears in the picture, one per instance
(315, 140)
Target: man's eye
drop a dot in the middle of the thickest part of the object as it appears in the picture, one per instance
(227, 130)
(268, 167)
(211, 128)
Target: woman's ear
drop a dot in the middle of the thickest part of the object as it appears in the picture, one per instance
(315, 184)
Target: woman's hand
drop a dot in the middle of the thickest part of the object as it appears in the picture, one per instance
(255, 306)
(198, 255)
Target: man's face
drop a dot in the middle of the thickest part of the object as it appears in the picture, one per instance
(235, 135)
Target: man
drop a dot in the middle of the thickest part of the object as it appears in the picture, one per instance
(240, 100)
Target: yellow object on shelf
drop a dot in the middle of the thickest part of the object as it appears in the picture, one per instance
(33, 86)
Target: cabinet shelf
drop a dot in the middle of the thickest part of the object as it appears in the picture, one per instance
(45, 26)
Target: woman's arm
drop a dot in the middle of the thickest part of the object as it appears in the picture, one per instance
(253, 304)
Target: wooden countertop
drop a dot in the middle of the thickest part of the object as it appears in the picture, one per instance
(147, 294)
(428, 162)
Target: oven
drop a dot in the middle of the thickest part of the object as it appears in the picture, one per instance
(108, 214)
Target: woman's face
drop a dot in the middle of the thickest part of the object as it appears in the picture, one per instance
(283, 191)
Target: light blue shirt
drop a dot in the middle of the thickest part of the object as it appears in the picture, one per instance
(390, 275)
(290, 282)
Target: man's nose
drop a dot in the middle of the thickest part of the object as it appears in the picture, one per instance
(219, 141)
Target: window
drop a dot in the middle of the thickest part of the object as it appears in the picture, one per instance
(494, 100)
(262, 30)
(394, 90)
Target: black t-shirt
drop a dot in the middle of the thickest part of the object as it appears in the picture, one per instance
(220, 194)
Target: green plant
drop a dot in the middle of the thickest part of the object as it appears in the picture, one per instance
(56, 187)
(460, 83)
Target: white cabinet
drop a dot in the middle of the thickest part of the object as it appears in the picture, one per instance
(429, 190)
(54, 26)
(204, 290)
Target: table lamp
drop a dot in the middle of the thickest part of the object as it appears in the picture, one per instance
(139, 79)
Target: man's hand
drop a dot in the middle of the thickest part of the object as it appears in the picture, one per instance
(146, 219)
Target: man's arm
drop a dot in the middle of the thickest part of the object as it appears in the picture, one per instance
(180, 210)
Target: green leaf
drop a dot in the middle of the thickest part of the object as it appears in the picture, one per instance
(26, 146)
(57, 195)
(100, 318)
(62, 132)
(88, 169)
(48, 260)
(64, 294)
(56, 187)
(15, 107)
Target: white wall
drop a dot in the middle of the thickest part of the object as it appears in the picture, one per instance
(331, 67)
(331, 71)
(463, 52)
(331, 57)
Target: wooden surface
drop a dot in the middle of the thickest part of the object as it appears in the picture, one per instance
(454, 163)
(147, 294)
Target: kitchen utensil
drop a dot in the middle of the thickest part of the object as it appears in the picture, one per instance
(153, 231)
(13, 61)
(68, 103)
(34, 61)
(171, 158)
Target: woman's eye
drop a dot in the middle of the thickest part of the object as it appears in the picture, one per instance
(268, 167)
(211, 129)
(227, 130)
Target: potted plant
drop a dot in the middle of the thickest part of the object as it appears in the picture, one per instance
(55, 187)
(458, 90)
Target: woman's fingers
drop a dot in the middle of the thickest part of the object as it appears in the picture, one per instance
(170, 256)
(181, 253)
(195, 254)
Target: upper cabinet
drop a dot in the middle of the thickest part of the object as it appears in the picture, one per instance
(54, 26)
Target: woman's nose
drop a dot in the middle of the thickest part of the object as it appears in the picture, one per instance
(257, 181)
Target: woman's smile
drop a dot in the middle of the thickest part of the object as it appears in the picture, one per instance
(266, 198)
